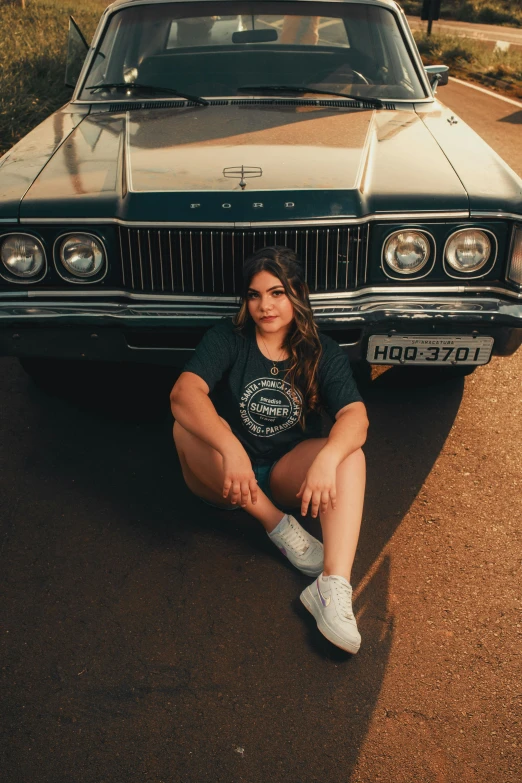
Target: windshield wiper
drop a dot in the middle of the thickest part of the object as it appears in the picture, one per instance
(376, 102)
(148, 88)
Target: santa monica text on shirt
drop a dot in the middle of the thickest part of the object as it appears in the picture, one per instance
(268, 383)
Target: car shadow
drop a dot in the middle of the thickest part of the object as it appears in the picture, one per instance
(190, 614)
(513, 119)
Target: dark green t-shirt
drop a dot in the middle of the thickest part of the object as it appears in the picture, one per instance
(260, 407)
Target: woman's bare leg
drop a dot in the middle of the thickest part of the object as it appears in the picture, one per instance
(340, 525)
(202, 468)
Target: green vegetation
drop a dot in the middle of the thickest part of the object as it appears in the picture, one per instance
(468, 56)
(508, 12)
(32, 61)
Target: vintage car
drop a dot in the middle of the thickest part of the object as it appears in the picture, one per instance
(200, 131)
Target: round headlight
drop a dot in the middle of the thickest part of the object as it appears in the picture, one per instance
(22, 255)
(468, 250)
(407, 252)
(82, 255)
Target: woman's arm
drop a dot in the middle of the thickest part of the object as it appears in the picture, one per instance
(348, 433)
(346, 436)
(193, 409)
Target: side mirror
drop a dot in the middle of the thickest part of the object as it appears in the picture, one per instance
(438, 75)
(77, 48)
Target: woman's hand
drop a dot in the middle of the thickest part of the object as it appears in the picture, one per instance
(319, 486)
(239, 482)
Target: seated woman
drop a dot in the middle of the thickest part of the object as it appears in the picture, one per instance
(266, 453)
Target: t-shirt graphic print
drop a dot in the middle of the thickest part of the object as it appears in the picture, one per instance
(269, 406)
(262, 410)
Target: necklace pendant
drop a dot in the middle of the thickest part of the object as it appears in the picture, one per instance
(274, 370)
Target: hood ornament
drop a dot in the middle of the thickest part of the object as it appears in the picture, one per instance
(242, 172)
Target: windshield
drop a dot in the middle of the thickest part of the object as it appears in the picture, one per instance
(194, 49)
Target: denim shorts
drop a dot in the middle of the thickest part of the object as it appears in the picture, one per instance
(262, 472)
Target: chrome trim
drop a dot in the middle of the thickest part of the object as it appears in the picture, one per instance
(140, 261)
(314, 298)
(412, 275)
(499, 215)
(95, 278)
(424, 290)
(511, 252)
(121, 294)
(13, 295)
(9, 220)
(470, 276)
(367, 255)
(4, 272)
(150, 260)
(369, 312)
(325, 221)
(126, 154)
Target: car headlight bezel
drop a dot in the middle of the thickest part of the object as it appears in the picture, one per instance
(423, 269)
(479, 271)
(515, 248)
(7, 274)
(61, 265)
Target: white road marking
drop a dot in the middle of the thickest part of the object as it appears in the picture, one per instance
(487, 92)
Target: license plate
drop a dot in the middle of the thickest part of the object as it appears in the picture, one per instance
(417, 349)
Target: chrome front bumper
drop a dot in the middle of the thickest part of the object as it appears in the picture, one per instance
(166, 331)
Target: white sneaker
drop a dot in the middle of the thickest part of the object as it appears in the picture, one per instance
(329, 599)
(303, 550)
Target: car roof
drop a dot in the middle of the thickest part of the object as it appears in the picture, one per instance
(385, 3)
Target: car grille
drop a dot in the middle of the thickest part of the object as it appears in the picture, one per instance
(209, 261)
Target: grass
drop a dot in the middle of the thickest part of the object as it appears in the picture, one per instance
(467, 56)
(32, 61)
(506, 12)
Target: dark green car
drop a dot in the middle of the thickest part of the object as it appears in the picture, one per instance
(201, 131)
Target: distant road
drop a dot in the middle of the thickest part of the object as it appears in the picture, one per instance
(485, 32)
(496, 120)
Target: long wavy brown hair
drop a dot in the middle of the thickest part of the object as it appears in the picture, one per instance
(302, 341)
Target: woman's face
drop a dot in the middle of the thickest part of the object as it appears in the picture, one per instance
(270, 308)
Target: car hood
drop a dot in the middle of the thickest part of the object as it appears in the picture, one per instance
(300, 162)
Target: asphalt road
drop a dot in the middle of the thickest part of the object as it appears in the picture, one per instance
(147, 638)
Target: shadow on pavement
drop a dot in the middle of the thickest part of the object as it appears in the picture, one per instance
(152, 638)
(513, 119)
